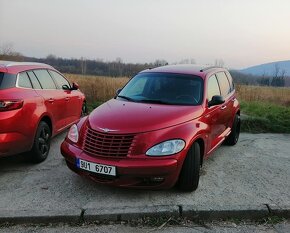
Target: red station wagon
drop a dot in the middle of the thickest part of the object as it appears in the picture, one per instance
(36, 103)
(158, 129)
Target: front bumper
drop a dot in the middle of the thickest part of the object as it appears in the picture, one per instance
(156, 173)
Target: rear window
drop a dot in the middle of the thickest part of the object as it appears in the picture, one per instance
(7, 80)
(224, 84)
(23, 80)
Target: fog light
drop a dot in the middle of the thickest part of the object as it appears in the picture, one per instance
(157, 179)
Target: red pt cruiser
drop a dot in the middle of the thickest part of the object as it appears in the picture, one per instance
(158, 129)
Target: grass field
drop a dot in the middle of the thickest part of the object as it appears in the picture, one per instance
(267, 108)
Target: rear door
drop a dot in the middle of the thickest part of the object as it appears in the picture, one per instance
(72, 97)
(227, 107)
(54, 99)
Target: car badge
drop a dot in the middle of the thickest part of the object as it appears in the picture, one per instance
(106, 130)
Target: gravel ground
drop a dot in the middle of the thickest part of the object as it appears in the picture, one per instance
(282, 227)
(254, 172)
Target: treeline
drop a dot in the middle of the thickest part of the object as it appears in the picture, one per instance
(115, 68)
(278, 79)
(84, 66)
(118, 68)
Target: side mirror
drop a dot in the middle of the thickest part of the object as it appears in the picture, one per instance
(216, 100)
(75, 86)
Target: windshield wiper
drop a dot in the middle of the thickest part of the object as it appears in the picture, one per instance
(154, 101)
(126, 98)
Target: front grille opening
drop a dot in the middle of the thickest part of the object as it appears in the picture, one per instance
(106, 144)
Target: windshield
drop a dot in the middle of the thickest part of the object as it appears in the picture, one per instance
(164, 88)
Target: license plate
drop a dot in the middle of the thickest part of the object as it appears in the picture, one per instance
(96, 167)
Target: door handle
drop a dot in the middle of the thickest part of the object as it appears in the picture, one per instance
(223, 107)
(67, 98)
(51, 100)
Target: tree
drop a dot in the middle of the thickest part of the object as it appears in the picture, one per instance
(7, 53)
(278, 79)
(219, 63)
(160, 62)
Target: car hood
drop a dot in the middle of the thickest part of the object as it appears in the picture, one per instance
(120, 116)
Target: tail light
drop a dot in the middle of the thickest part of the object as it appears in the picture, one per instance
(8, 105)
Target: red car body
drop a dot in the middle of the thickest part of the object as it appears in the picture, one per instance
(120, 132)
(25, 101)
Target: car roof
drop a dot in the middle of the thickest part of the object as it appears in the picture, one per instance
(200, 70)
(16, 67)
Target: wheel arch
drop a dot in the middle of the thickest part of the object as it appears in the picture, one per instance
(48, 121)
(201, 143)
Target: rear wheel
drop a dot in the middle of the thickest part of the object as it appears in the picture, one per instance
(41, 144)
(233, 138)
(189, 175)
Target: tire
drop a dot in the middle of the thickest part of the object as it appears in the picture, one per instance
(189, 175)
(233, 138)
(84, 109)
(41, 144)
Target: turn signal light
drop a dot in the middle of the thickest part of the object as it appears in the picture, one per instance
(8, 105)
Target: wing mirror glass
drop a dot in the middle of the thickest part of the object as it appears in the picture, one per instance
(65, 87)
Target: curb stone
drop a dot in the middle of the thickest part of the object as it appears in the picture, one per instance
(129, 213)
(279, 210)
(224, 212)
(45, 216)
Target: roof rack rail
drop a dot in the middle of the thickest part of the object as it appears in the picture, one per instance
(208, 68)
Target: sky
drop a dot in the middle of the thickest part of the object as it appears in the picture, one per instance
(241, 33)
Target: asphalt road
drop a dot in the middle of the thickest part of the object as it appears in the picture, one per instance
(254, 172)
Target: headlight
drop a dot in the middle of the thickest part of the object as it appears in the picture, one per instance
(169, 147)
(73, 134)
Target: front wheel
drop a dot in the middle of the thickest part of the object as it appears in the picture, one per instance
(233, 138)
(189, 175)
(41, 144)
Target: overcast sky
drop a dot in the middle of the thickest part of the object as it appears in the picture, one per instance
(242, 33)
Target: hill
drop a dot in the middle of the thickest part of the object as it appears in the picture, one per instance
(269, 69)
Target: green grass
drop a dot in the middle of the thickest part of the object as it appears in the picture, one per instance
(265, 118)
(92, 105)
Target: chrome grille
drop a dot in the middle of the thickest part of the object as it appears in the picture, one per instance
(106, 144)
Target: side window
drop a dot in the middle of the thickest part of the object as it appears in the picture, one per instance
(212, 87)
(223, 83)
(231, 81)
(34, 80)
(23, 80)
(45, 79)
(60, 80)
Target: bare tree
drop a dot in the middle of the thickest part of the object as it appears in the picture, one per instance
(278, 79)
(7, 53)
(219, 62)
(83, 65)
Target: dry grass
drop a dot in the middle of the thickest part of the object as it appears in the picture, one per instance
(274, 95)
(100, 89)
(97, 88)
